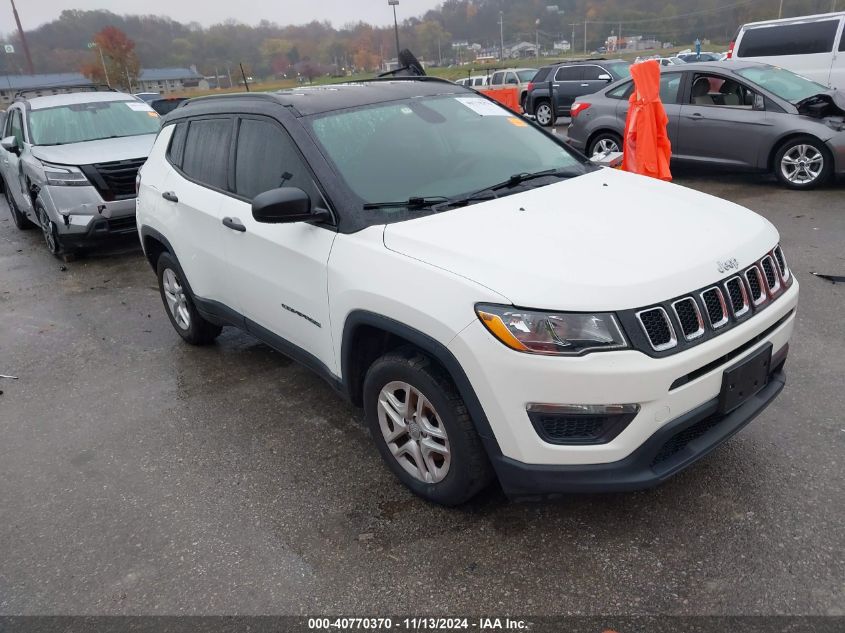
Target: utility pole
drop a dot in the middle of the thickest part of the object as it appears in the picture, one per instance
(572, 43)
(502, 36)
(585, 37)
(103, 60)
(393, 4)
(537, 45)
(780, 9)
(23, 40)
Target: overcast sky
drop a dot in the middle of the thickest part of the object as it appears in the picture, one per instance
(36, 12)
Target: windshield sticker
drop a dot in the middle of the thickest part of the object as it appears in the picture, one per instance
(152, 114)
(406, 110)
(517, 122)
(138, 107)
(483, 107)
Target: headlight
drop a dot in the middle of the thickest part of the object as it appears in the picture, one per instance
(552, 333)
(64, 175)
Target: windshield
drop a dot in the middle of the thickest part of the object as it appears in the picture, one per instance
(93, 121)
(435, 147)
(526, 75)
(783, 83)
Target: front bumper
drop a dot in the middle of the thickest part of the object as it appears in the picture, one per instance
(670, 391)
(672, 448)
(81, 215)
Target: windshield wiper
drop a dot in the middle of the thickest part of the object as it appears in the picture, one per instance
(489, 193)
(410, 203)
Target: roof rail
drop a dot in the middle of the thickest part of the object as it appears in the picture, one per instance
(404, 78)
(263, 96)
(22, 94)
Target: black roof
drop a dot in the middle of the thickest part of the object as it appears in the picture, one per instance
(308, 100)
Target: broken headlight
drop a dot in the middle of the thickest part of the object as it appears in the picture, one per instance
(64, 175)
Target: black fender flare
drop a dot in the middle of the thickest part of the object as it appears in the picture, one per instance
(427, 345)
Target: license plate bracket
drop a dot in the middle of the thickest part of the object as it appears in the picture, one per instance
(745, 379)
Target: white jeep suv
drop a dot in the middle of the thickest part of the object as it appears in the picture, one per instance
(499, 306)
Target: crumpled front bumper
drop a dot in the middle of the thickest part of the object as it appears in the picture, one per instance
(81, 215)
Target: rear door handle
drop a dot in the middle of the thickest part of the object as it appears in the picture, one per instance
(234, 224)
(170, 196)
(585, 85)
(696, 116)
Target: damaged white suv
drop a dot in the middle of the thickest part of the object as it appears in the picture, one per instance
(500, 307)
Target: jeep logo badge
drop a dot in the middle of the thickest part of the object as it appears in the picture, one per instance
(728, 264)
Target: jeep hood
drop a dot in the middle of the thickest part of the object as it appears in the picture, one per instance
(100, 151)
(608, 240)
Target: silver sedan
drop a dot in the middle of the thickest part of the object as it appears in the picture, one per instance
(743, 116)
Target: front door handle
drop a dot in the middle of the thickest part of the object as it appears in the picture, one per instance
(695, 116)
(234, 224)
(170, 196)
(585, 85)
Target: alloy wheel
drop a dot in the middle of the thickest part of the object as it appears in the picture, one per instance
(414, 432)
(48, 229)
(802, 164)
(177, 302)
(605, 145)
(544, 114)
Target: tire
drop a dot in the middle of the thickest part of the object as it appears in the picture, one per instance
(803, 163)
(20, 220)
(179, 304)
(449, 479)
(49, 231)
(543, 113)
(604, 141)
(522, 99)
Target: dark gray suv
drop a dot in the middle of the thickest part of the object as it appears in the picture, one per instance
(571, 80)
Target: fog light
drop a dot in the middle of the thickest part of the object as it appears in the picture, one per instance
(580, 423)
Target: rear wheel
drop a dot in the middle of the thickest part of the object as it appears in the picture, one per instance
(423, 430)
(543, 113)
(605, 142)
(803, 163)
(20, 220)
(180, 306)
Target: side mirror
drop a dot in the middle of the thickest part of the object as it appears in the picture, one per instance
(10, 144)
(759, 102)
(286, 205)
(605, 77)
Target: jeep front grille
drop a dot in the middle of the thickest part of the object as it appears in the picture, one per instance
(689, 316)
(700, 315)
(658, 328)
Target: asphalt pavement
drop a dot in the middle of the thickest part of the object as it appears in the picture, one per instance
(144, 476)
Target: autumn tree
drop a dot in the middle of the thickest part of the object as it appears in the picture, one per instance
(114, 50)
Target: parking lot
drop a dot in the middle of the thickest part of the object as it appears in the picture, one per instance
(142, 475)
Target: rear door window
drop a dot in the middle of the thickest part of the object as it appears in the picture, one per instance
(591, 73)
(789, 39)
(569, 73)
(206, 154)
(498, 79)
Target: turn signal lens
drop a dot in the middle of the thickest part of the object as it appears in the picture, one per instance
(551, 333)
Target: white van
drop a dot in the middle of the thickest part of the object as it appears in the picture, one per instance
(811, 45)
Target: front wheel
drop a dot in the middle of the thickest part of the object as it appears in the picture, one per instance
(543, 113)
(423, 430)
(803, 163)
(179, 304)
(49, 230)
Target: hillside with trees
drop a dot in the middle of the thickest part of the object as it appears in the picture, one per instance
(268, 49)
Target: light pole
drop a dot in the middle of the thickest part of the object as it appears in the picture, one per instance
(502, 36)
(537, 44)
(394, 3)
